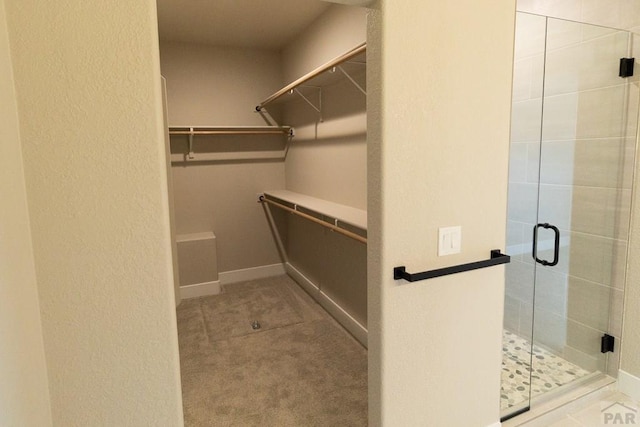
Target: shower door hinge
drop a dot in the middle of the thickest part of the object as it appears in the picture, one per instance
(607, 343)
(626, 67)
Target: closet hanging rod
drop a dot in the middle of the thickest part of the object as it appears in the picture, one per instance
(237, 130)
(337, 229)
(328, 66)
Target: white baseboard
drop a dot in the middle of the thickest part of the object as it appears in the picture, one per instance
(200, 290)
(253, 273)
(302, 280)
(498, 424)
(629, 384)
(344, 318)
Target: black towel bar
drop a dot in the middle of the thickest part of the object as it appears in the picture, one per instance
(496, 258)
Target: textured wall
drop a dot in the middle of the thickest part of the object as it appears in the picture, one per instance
(439, 136)
(89, 98)
(336, 31)
(216, 86)
(24, 393)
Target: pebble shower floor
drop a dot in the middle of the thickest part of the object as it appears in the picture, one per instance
(550, 371)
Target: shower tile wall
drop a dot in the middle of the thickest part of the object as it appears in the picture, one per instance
(623, 14)
(585, 187)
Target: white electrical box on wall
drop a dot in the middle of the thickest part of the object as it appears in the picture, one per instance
(449, 240)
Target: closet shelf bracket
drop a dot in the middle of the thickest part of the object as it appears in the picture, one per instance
(351, 79)
(318, 108)
(191, 154)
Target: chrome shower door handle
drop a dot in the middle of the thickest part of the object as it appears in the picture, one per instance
(556, 246)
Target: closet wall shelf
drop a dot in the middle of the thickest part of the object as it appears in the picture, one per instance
(345, 220)
(211, 131)
(334, 65)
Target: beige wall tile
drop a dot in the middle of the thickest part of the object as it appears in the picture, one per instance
(629, 14)
(525, 120)
(588, 303)
(550, 330)
(583, 338)
(633, 96)
(613, 360)
(526, 320)
(560, 117)
(529, 36)
(562, 34)
(522, 202)
(556, 205)
(595, 31)
(602, 113)
(616, 311)
(601, 12)
(595, 113)
(518, 154)
(552, 293)
(520, 280)
(515, 240)
(623, 14)
(522, 76)
(595, 258)
(567, 9)
(586, 361)
(511, 314)
(601, 211)
(596, 163)
(533, 162)
(586, 65)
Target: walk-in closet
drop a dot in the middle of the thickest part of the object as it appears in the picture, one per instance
(267, 140)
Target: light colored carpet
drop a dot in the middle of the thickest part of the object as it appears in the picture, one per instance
(300, 369)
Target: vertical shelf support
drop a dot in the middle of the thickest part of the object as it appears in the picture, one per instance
(308, 101)
(351, 79)
(191, 154)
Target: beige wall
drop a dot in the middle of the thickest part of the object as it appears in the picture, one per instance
(336, 31)
(328, 159)
(438, 143)
(216, 86)
(88, 90)
(24, 393)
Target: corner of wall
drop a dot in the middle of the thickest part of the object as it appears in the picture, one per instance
(24, 389)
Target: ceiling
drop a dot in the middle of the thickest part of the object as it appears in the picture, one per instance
(267, 24)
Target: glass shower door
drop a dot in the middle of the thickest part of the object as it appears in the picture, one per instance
(586, 166)
(571, 167)
(522, 215)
